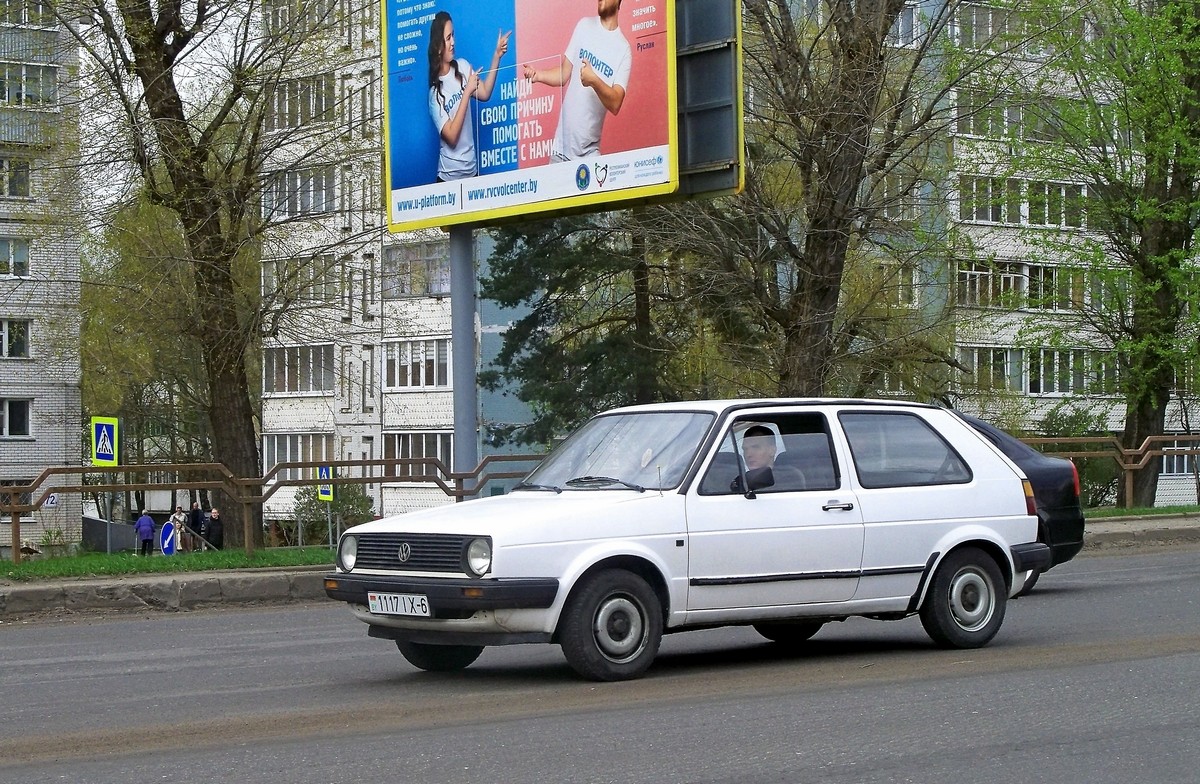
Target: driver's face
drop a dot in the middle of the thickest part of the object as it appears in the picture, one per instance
(759, 451)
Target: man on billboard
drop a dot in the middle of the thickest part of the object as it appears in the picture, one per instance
(452, 83)
(601, 56)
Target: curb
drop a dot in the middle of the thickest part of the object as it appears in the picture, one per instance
(171, 592)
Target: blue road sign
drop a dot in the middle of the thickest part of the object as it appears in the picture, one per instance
(104, 441)
(166, 539)
(324, 492)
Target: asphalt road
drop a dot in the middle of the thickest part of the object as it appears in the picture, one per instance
(1091, 679)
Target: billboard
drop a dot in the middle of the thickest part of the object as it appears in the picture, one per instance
(515, 107)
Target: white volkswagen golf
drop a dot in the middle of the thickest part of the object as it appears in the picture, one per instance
(780, 514)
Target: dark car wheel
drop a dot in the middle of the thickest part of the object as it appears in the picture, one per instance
(439, 658)
(788, 634)
(966, 600)
(1031, 578)
(611, 626)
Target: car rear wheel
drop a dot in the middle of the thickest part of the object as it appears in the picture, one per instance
(439, 658)
(789, 634)
(611, 626)
(966, 601)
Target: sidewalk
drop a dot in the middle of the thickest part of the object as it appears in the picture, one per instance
(193, 590)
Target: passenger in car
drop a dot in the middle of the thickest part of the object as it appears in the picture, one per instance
(758, 449)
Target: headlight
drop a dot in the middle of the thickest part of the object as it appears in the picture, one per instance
(479, 557)
(348, 552)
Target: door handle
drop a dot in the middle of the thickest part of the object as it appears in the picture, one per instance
(844, 506)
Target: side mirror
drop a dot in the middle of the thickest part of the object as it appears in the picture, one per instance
(756, 478)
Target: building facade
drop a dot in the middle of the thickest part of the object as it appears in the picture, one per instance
(39, 264)
(358, 365)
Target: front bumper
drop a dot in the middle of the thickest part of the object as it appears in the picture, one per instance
(448, 597)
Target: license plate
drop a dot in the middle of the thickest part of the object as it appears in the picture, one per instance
(398, 603)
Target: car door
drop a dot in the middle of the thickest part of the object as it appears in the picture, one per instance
(797, 541)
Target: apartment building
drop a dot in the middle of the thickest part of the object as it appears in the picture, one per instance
(39, 264)
(359, 362)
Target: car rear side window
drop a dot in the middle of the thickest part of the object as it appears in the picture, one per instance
(896, 449)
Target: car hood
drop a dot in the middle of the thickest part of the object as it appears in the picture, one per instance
(531, 516)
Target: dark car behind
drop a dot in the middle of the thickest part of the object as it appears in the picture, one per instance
(1055, 482)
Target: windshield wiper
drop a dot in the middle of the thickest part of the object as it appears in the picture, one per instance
(529, 486)
(581, 481)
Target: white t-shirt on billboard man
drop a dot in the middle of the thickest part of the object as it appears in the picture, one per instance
(595, 71)
(454, 161)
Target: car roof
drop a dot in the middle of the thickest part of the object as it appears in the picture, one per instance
(718, 406)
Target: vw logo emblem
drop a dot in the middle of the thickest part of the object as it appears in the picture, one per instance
(405, 552)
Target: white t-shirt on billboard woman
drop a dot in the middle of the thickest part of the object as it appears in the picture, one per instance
(582, 116)
(458, 161)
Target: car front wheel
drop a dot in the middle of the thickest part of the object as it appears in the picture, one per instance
(439, 658)
(611, 626)
(966, 600)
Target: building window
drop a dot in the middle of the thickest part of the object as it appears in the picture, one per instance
(299, 192)
(25, 499)
(296, 17)
(990, 285)
(899, 283)
(14, 177)
(989, 199)
(299, 102)
(14, 417)
(417, 446)
(298, 369)
(296, 447)
(979, 25)
(22, 84)
(417, 364)
(905, 30)
(1056, 204)
(14, 338)
(1055, 288)
(981, 113)
(991, 368)
(420, 269)
(14, 256)
(26, 12)
(304, 279)
(1067, 371)
(1175, 464)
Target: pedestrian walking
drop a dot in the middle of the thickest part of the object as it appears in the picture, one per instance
(145, 531)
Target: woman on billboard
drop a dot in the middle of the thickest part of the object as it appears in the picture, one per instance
(452, 83)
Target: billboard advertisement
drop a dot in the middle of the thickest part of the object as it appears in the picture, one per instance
(515, 107)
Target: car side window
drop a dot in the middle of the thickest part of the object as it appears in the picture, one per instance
(897, 449)
(795, 447)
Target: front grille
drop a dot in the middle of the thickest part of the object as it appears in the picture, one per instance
(427, 552)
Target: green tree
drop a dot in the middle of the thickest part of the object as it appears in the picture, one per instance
(604, 326)
(350, 506)
(1127, 130)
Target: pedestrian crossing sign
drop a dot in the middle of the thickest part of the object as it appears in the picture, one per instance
(104, 441)
(325, 491)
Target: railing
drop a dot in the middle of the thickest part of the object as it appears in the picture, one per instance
(248, 491)
(1129, 461)
(252, 491)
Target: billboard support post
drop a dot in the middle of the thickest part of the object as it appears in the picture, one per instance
(462, 339)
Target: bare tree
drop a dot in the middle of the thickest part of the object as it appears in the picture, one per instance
(183, 104)
(849, 108)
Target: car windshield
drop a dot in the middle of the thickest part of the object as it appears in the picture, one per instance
(640, 451)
